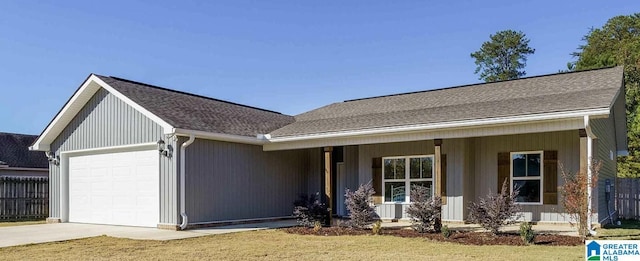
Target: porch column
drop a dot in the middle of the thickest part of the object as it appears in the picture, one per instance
(327, 178)
(437, 165)
(582, 133)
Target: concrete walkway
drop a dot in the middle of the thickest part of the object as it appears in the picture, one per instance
(30, 234)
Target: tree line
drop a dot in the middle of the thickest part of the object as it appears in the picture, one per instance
(616, 43)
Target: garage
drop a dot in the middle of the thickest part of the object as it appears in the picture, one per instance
(116, 188)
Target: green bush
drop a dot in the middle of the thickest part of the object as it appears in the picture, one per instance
(526, 232)
(446, 233)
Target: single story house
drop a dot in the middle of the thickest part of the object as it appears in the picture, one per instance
(129, 153)
(16, 160)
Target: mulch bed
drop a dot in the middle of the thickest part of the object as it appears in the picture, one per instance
(461, 237)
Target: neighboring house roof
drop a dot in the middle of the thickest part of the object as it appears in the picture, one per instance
(14, 152)
(193, 112)
(563, 92)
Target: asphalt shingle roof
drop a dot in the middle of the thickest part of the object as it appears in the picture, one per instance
(194, 112)
(539, 94)
(14, 151)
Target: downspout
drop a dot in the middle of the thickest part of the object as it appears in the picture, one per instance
(183, 212)
(590, 137)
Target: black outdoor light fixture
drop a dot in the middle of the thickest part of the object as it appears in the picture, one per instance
(54, 159)
(162, 149)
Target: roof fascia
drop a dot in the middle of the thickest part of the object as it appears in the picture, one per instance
(90, 86)
(604, 112)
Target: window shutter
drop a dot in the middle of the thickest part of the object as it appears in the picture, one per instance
(443, 183)
(550, 166)
(376, 173)
(504, 172)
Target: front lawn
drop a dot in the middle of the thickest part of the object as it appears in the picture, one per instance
(630, 229)
(279, 245)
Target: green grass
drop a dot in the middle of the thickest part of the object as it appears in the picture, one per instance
(629, 230)
(20, 223)
(279, 245)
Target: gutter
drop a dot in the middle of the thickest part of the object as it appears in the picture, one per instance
(183, 212)
(221, 137)
(445, 125)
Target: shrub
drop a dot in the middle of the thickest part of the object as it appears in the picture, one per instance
(376, 229)
(360, 206)
(495, 210)
(574, 191)
(424, 211)
(446, 233)
(308, 210)
(317, 225)
(526, 232)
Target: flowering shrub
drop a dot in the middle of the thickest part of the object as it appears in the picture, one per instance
(574, 192)
(424, 211)
(360, 206)
(308, 210)
(495, 210)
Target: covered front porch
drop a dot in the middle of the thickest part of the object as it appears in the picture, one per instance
(460, 170)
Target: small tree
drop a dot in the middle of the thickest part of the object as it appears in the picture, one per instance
(308, 210)
(576, 201)
(360, 206)
(495, 210)
(425, 210)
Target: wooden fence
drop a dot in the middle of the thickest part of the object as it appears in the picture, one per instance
(24, 198)
(628, 198)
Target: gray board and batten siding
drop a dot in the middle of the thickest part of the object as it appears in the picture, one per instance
(107, 121)
(225, 181)
(232, 181)
(472, 169)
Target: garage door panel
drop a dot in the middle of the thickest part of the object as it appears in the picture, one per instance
(116, 188)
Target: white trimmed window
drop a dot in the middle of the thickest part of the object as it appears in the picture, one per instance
(527, 176)
(400, 173)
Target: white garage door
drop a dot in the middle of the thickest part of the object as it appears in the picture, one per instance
(115, 188)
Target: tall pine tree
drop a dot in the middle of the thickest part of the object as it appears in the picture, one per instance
(503, 57)
(618, 43)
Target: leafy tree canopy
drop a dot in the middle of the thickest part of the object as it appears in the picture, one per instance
(503, 57)
(618, 43)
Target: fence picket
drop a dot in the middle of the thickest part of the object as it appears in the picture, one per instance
(628, 198)
(24, 198)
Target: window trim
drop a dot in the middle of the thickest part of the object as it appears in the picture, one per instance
(541, 178)
(407, 177)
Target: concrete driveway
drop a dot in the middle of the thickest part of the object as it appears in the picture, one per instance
(29, 234)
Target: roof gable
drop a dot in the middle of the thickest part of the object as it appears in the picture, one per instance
(14, 151)
(174, 111)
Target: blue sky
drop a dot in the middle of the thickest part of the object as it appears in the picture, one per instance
(287, 56)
